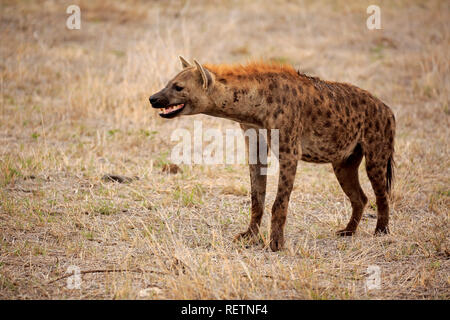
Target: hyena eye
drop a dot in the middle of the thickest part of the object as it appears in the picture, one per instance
(177, 87)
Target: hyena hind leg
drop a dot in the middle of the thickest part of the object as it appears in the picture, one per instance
(377, 176)
(347, 174)
(379, 173)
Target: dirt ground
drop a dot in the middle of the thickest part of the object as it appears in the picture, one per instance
(74, 107)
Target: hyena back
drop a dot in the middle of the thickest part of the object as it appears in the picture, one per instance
(318, 121)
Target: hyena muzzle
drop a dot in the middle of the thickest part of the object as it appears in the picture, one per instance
(318, 121)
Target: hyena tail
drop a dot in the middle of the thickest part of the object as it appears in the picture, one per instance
(391, 162)
(390, 173)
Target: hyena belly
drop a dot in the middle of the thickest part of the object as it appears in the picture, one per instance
(328, 146)
(331, 129)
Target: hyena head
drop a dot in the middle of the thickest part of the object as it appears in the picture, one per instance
(186, 93)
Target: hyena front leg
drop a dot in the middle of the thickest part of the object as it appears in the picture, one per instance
(258, 189)
(288, 168)
(258, 194)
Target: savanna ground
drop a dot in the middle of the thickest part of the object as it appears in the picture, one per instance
(74, 106)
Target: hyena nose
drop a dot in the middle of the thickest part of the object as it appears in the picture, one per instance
(153, 100)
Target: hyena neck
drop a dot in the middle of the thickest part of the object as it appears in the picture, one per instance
(243, 103)
(245, 93)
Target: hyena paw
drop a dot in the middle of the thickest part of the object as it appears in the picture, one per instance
(345, 233)
(249, 234)
(276, 241)
(381, 230)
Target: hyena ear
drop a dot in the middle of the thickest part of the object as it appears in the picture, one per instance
(206, 76)
(184, 62)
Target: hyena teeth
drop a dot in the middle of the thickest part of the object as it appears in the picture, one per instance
(171, 108)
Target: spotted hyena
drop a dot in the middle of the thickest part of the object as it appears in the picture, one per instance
(318, 121)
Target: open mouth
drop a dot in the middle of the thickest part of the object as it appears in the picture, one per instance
(171, 111)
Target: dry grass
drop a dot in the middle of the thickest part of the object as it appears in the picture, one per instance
(73, 107)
